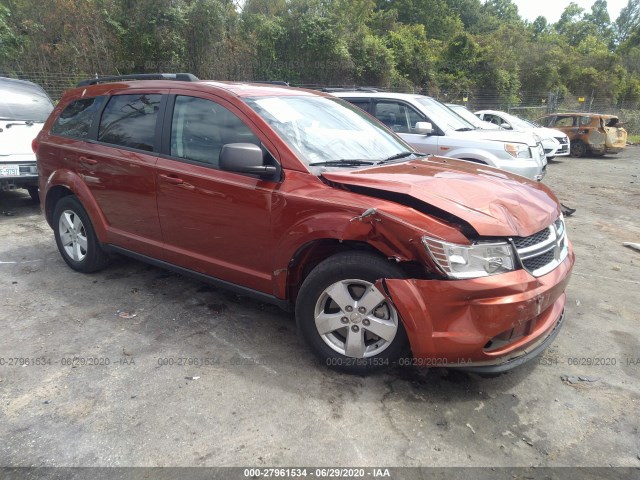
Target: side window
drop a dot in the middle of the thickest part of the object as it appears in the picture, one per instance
(414, 117)
(200, 128)
(362, 103)
(564, 122)
(584, 121)
(398, 117)
(489, 117)
(130, 121)
(76, 119)
(392, 115)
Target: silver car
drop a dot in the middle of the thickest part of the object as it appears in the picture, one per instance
(24, 107)
(431, 127)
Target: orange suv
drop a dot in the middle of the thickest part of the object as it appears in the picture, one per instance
(299, 199)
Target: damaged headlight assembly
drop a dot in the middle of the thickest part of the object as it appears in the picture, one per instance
(470, 261)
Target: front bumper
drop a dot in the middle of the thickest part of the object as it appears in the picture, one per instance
(489, 324)
(533, 169)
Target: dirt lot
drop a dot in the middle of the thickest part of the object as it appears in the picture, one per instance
(134, 397)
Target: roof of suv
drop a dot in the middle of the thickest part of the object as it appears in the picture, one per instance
(235, 88)
(399, 96)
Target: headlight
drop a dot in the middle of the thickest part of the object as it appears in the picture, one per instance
(470, 261)
(518, 150)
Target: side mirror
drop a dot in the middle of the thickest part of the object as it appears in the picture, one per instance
(423, 128)
(245, 158)
(506, 126)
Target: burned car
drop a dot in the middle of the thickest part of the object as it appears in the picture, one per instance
(589, 132)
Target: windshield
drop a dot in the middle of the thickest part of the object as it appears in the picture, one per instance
(442, 116)
(23, 102)
(321, 130)
(518, 123)
(467, 115)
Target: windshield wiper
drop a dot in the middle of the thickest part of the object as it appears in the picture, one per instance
(465, 129)
(400, 155)
(26, 122)
(341, 163)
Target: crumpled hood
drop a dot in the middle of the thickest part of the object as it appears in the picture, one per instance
(493, 202)
(496, 136)
(16, 140)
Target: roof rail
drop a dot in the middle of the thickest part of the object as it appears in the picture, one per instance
(272, 82)
(346, 89)
(183, 77)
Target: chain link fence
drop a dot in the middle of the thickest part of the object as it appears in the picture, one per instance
(530, 105)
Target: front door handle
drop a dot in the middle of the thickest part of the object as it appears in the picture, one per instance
(88, 161)
(173, 180)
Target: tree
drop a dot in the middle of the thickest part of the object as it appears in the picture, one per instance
(628, 21)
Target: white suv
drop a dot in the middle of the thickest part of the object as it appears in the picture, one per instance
(431, 127)
(24, 107)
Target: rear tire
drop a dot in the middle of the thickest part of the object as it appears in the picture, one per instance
(34, 192)
(76, 238)
(578, 149)
(346, 321)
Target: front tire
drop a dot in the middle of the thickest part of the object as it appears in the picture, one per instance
(578, 149)
(346, 321)
(76, 238)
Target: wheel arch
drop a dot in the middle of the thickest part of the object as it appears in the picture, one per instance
(63, 183)
(310, 255)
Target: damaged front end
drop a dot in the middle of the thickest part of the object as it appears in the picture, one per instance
(490, 305)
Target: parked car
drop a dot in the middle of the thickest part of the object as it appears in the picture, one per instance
(470, 117)
(24, 106)
(589, 132)
(432, 128)
(299, 199)
(555, 142)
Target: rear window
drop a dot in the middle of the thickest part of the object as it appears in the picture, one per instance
(77, 118)
(23, 101)
(130, 121)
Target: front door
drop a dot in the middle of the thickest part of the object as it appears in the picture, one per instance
(214, 222)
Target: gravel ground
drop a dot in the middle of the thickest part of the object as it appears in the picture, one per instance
(172, 372)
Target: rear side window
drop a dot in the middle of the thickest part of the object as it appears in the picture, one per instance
(130, 121)
(76, 119)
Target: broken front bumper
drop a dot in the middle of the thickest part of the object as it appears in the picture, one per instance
(489, 324)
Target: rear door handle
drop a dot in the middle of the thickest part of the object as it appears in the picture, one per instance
(171, 179)
(88, 161)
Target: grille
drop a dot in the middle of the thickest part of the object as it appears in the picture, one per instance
(536, 238)
(541, 252)
(538, 262)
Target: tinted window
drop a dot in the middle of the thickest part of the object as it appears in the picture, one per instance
(363, 104)
(201, 127)
(76, 119)
(130, 121)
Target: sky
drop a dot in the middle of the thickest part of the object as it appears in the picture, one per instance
(552, 9)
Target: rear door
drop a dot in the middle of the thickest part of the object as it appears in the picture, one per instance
(116, 159)
(214, 222)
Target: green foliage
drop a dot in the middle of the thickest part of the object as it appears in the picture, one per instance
(432, 46)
